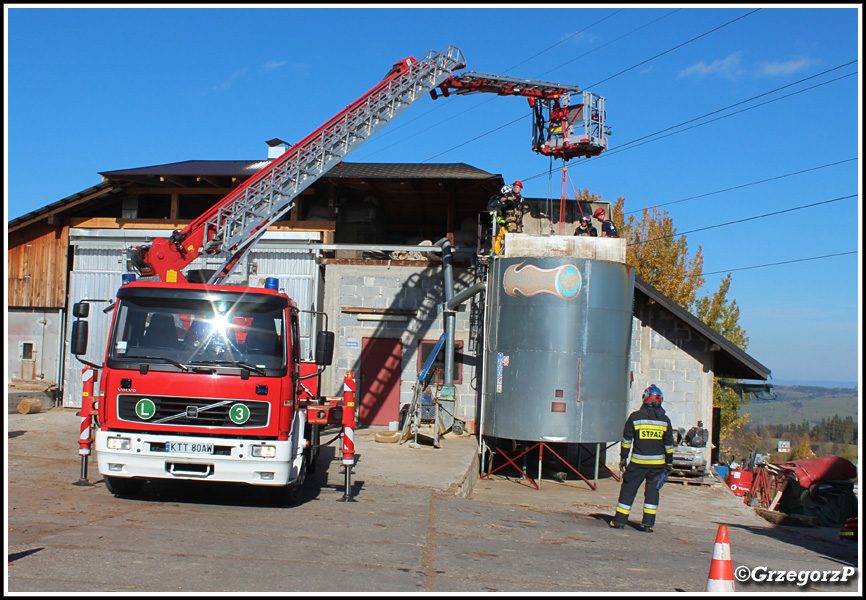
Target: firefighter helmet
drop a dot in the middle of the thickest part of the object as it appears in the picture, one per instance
(516, 183)
(599, 211)
(506, 189)
(652, 394)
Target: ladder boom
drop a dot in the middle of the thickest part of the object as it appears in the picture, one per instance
(233, 226)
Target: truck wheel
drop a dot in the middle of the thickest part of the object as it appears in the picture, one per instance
(123, 487)
(290, 494)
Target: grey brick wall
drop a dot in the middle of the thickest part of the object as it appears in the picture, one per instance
(417, 288)
(671, 355)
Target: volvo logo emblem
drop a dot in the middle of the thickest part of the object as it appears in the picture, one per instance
(192, 412)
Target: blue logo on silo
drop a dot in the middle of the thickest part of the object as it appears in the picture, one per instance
(568, 281)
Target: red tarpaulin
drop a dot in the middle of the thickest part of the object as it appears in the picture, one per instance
(810, 470)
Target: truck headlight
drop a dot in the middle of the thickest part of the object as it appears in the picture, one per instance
(264, 451)
(117, 443)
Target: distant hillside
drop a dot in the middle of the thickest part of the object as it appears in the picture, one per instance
(795, 403)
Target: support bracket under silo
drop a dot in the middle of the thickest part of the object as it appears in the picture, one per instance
(541, 446)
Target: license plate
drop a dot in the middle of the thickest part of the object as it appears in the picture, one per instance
(189, 447)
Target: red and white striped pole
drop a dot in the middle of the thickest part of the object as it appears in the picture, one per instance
(348, 432)
(85, 437)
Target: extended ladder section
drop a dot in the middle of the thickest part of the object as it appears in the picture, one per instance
(234, 225)
(567, 122)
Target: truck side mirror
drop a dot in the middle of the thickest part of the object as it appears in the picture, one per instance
(78, 342)
(324, 348)
(80, 310)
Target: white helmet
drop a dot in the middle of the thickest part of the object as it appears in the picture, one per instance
(506, 189)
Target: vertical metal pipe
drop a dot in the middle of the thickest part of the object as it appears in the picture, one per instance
(449, 316)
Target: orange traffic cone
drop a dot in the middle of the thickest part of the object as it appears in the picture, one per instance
(721, 577)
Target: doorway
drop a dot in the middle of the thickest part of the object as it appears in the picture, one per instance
(381, 363)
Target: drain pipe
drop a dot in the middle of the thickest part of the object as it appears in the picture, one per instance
(449, 317)
(449, 307)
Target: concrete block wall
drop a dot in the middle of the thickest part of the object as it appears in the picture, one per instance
(667, 353)
(408, 288)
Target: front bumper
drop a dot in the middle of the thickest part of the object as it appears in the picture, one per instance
(232, 460)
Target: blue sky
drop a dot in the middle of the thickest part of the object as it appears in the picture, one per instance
(99, 89)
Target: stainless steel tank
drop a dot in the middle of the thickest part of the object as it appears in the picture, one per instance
(557, 344)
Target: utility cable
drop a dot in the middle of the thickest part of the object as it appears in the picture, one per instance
(631, 145)
(674, 48)
(784, 262)
(609, 43)
(442, 104)
(520, 63)
(736, 104)
(655, 139)
(737, 187)
(778, 212)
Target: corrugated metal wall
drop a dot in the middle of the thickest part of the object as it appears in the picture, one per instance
(100, 258)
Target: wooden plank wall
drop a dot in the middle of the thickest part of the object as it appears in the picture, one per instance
(37, 266)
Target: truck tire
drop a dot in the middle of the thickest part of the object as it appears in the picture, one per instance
(123, 487)
(290, 494)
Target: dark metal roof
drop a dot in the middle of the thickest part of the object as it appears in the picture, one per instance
(90, 193)
(408, 171)
(730, 360)
(342, 170)
(193, 167)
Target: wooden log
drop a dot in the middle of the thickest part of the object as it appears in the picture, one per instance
(780, 518)
(29, 406)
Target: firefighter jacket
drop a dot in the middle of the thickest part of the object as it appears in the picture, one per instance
(649, 436)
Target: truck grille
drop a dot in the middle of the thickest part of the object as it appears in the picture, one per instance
(192, 412)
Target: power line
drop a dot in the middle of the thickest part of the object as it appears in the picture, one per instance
(737, 187)
(784, 262)
(631, 145)
(618, 150)
(778, 212)
(442, 105)
(565, 39)
(520, 118)
(609, 43)
(737, 104)
(674, 48)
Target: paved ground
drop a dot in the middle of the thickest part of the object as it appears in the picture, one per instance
(421, 522)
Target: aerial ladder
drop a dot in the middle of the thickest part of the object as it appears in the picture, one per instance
(230, 228)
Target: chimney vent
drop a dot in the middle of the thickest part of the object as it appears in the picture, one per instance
(277, 147)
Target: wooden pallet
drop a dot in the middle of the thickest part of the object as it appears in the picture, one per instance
(703, 480)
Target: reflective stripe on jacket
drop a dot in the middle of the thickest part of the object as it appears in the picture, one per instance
(649, 436)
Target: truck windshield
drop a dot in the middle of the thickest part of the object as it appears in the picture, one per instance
(196, 332)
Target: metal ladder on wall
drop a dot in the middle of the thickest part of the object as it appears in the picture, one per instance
(244, 216)
(414, 415)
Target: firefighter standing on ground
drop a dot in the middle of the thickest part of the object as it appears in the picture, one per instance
(649, 436)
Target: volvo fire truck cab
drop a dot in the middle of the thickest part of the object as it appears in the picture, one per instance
(204, 382)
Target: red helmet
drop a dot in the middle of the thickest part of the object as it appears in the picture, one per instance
(599, 211)
(516, 183)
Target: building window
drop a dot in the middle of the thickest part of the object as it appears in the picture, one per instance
(437, 369)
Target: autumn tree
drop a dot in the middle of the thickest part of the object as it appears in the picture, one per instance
(660, 257)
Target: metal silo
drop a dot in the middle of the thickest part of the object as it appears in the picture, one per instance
(557, 340)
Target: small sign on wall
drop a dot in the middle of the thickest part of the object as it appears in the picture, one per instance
(351, 341)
